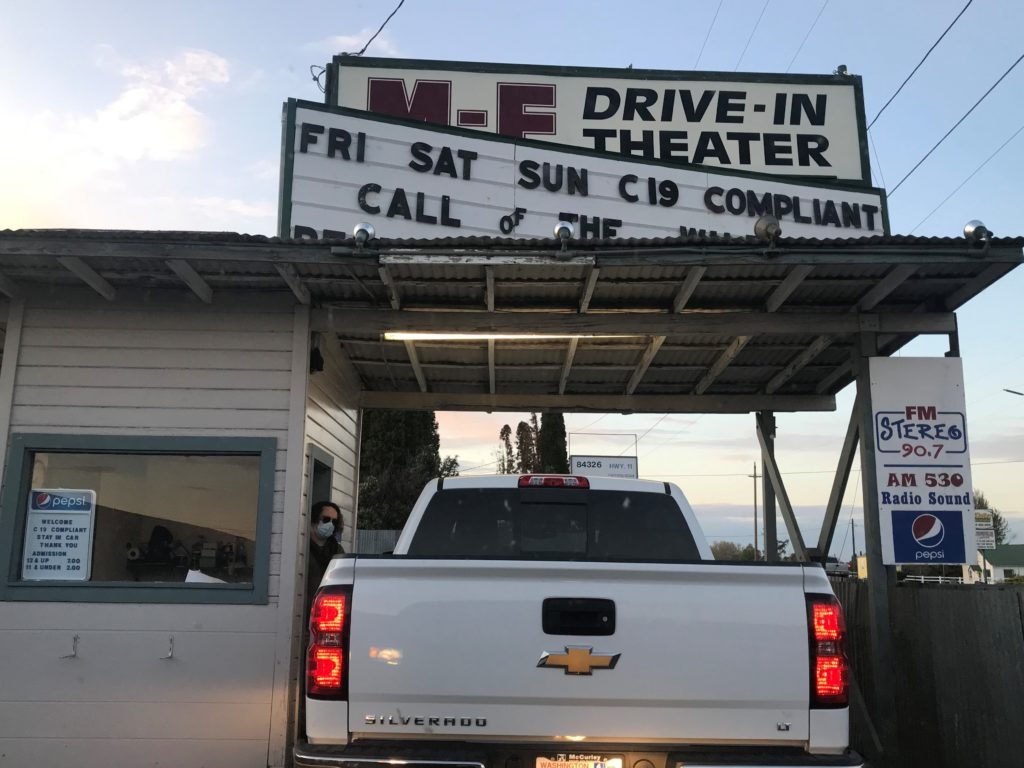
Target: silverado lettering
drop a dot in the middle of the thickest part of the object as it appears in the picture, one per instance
(464, 722)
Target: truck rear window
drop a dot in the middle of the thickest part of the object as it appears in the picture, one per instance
(555, 523)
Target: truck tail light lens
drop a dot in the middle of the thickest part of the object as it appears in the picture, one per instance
(327, 656)
(326, 666)
(553, 481)
(830, 672)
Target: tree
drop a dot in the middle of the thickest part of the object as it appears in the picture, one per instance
(1002, 528)
(727, 550)
(539, 447)
(780, 550)
(506, 459)
(400, 453)
(551, 449)
(526, 448)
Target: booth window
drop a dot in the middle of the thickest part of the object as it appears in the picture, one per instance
(117, 519)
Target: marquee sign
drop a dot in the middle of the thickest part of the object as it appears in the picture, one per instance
(922, 461)
(342, 167)
(790, 125)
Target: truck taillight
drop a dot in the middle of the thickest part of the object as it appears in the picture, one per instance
(327, 657)
(553, 481)
(830, 682)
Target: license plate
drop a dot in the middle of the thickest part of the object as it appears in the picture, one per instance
(577, 760)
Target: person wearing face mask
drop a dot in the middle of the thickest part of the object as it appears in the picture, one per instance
(325, 527)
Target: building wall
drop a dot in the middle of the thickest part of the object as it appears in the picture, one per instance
(168, 367)
(332, 424)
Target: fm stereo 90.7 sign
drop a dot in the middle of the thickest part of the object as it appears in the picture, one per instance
(922, 460)
(792, 125)
(412, 180)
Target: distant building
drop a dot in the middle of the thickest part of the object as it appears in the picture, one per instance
(1002, 563)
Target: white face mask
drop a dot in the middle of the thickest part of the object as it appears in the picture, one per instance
(323, 530)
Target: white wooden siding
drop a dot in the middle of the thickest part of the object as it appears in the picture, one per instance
(174, 368)
(105, 752)
(332, 424)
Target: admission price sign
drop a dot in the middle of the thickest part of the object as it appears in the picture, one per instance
(922, 461)
(58, 535)
(984, 529)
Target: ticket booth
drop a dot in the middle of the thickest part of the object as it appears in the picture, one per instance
(160, 451)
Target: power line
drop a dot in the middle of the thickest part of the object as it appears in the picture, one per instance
(962, 183)
(663, 417)
(400, 4)
(822, 471)
(802, 42)
(708, 35)
(920, 63)
(656, 446)
(966, 114)
(479, 466)
(878, 163)
(853, 503)
(592, 423)
(756, 25)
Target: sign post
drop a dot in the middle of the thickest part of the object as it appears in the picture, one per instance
(985, 536)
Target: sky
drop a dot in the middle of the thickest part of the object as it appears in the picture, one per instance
(168, 116)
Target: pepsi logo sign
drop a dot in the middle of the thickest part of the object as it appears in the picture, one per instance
(68, 501)
(928, 531)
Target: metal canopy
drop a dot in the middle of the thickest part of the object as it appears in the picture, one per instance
(699, 323)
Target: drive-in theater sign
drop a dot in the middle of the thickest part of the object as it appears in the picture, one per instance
(415, 180)
(790, 125)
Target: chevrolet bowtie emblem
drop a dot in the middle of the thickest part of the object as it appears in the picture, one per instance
(579, 660)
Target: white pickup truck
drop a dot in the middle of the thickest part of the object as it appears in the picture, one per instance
(546, 621)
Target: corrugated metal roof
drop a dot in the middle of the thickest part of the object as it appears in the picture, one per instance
(739, 276)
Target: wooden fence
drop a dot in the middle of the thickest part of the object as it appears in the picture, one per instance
(959, 672)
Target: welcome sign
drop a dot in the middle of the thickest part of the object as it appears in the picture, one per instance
(342, 167)
(58, 535)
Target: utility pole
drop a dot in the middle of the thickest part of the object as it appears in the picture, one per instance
(755, 476)
(853, 533)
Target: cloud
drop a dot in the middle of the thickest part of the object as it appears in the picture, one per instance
(209, 212)
(55, 162)
(997, 446)
(265, 170)
(382, 46)
(230, 209)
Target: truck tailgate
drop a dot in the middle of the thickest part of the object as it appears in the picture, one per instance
(704, 653)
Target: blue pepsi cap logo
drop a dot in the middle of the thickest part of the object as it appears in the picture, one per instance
(928, 531)
(42, 501)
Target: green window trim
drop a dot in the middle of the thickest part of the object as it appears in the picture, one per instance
(17, 478)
